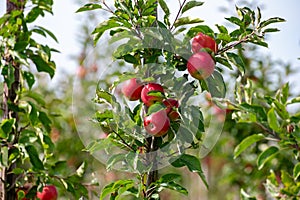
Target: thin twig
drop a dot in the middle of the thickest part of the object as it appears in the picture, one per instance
(123, 141)
(178, 14)
(273, 133)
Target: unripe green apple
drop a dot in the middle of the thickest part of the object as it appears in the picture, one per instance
(21, 192)
(49, 193)
(157, 124)
(132, 89)
(149, 99)
(201, 65)
(201, 41)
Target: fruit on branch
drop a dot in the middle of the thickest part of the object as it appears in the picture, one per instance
(201, 65)
(172, 105)
(157, 124)
(132, 89)
(49, 193)
(81, 72)
(201, 41)
(22, 193)
(156, 94)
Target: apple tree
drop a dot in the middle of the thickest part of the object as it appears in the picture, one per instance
(27, 164)
(150, 113)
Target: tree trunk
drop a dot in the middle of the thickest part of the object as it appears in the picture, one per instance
(152, 147)
(8, 179)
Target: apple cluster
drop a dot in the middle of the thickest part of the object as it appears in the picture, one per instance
(160, 110)
(201, 64)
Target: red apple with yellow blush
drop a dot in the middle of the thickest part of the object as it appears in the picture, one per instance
(132, 89)
(201, 65)
(201, 41)
(149, 99)
(157, 124)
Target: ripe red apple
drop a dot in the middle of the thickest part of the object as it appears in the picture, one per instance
(49, 193)
(149, 99)
(203, 41)
(201, 65)
(132, 89)
(157, 124)
(172, 105)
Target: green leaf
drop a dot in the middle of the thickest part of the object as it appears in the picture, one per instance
(114, 159)
(33, 14)
(114, 187)
(173, 186)
(192, 163)
(102, 116)
(102, 27)
(237, 61)
(191, 4)
(248, 141)
(266, 155)
(29, 77)
(4, 156)
(48, 32)
(296, 171)
(216, 85)
(273, 121)
(222, 29)
(104, 96)
(35, 96)
(6, 127)
(186, 21)
(8, 74)
(270, 21)
(270, 30)
(42, 65)
(34, 157)
(164, 7)
(155, 108)
(89, 6)
(18, 171)
(235, 20)
(45, 120)
(131, 59)
(169, 177)
(33, 114)
(224, 62)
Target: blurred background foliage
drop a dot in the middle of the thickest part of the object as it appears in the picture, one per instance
(226, 176)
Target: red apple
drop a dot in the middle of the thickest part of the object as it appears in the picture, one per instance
(81, 72)
(201, 65)
(132, 89)
(157, 124)
(173, 115)
(203, 41)
(172, 105)
(149, 99)
(49, 193)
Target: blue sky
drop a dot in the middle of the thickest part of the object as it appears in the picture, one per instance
(284, 44)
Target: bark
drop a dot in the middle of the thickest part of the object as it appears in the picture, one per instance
(8, 179)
